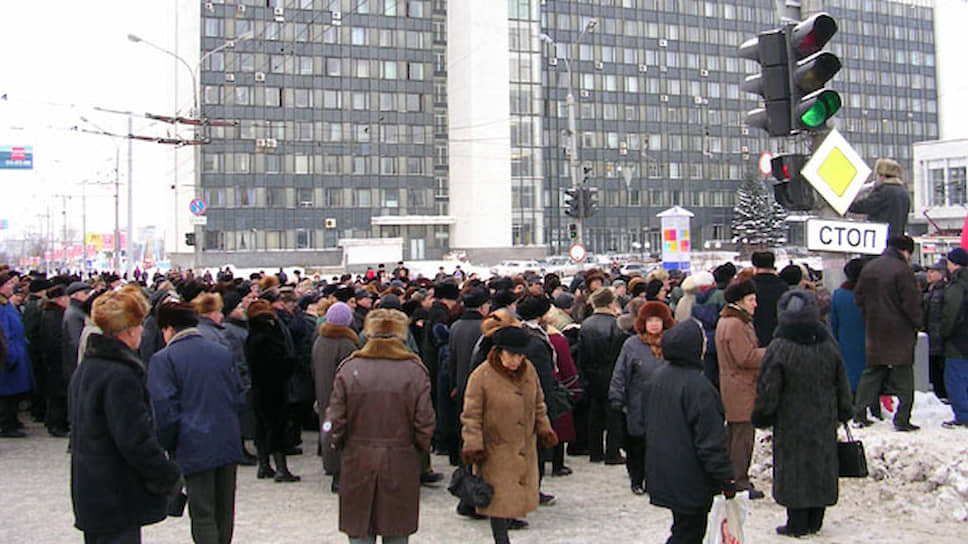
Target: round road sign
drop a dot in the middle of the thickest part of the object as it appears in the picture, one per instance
(198, 206)
(766, 168)
(577, 253)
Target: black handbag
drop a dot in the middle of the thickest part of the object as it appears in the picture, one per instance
(176, 504)
(851, 457)
(470, 489)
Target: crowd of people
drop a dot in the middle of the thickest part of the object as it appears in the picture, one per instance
(160, 383)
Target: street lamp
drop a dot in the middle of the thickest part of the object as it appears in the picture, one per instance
(116, 250)
(572, 123)
(196, 112)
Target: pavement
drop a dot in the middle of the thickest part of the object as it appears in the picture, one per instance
(594, 505)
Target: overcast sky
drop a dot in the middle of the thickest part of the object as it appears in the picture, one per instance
(65, 57)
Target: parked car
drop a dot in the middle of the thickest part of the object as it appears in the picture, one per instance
(510, 268)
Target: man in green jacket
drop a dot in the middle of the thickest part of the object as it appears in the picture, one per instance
(954, 329)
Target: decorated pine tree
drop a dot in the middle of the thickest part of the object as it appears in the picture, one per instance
(758, 221)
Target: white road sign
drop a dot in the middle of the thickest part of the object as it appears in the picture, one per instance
(846, 236)
(198, 220)
(836, 171)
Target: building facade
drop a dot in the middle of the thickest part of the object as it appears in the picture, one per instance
(446, 125)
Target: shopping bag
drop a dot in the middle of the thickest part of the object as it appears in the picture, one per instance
(726, 517)
(851, 457)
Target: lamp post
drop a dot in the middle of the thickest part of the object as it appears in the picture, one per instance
(197, 114)
(116, 249)
(572, 123)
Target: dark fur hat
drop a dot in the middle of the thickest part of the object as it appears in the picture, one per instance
(724, 272)
(446, 290)
(532, 307)
(738, 289)
(798, 307)
(654, 309)
(384, 323)
(763, 259)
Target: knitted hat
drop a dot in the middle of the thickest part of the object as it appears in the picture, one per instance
(339, 314)
(958, 256)
(792, 274)
(602, 297)
(654, 309)
(513, 339)
(532, 307)
(178, 315)
(739, 289)
(798, 306)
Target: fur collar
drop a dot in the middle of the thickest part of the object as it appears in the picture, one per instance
(516, 376)
(384, 348)
(111, 349)
(803, 333)
(732, 310)
(338, 331)
(185, 333)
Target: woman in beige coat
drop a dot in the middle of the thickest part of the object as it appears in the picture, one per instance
(503, 419)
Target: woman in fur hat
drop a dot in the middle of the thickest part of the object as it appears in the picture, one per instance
(803, 393)
(503, 420)
(641, 355)
(381, 419)
(271, 355)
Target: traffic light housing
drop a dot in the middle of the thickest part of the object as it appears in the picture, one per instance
(589, 201)
(769, 49)
(586, 174)
(189, 238)
(792, 190)
(573, 202)
(572, 231)
(812, 104)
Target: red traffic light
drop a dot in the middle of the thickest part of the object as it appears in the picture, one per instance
(787, 166)
(811, 35)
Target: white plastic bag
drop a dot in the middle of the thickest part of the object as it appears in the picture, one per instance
(725, 525)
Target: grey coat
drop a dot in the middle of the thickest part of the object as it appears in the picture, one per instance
(889, 202)
(632, 373)
(332, 346)
(803, 393)
(72, 326)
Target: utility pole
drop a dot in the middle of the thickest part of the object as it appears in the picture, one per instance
(129, 247)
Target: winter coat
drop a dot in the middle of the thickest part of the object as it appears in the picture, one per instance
(464, 334)
(803, 393)
(686, 460)
(706, 309)
(151, 339)
(271, 356)
(955, 334)
(889, 202)
(31, 320)
(932, 301)
(381, 419)
(73, 325)
(16, 374)
(197, 396)
(600, 341)
(213, 332)
(541, 354)
(120, 476)
(235, 333)
(439, 313)
(739, 362)
(359, 317)
(301, 388)
(503, 415)
(888, 296)
(633, 370)
(567, 375)
(51, 343)
(769, 287)
(847, 326)
(334, 344)
(684, 307)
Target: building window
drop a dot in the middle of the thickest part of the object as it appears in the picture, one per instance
(415, 165)
(388, 166)
(245, 197)
(211, 162)
(275, 197)
(956, 186)
(213, 27)
(391, 198)
(359, 165)
(303, 238)
(334, 198)
(362, 198)
(275, 239)
(415, 70)
(388, 69)
(242, 96)
(273, 164)
(936, 175)
(305, 197)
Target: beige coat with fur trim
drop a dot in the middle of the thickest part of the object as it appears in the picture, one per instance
(503, 416)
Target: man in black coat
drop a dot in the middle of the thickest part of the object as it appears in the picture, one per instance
(74, 318)
(889, 201)
(769, 288)
(686, 460)
(599, 343)
(888, 297)
(32, 312)
(55, 373)
(464, 334)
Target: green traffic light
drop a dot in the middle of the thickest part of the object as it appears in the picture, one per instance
(822, 106)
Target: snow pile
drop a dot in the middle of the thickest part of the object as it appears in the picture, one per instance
(924, 471)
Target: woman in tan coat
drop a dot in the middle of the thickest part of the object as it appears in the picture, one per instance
(381, 419)
(503, 419)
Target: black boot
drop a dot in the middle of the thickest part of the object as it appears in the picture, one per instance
(334, 487)
(282, 469)
(265, 469)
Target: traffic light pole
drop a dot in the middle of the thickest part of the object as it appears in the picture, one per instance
(573, 158)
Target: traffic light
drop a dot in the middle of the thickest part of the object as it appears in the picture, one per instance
(189, 238)
(792, 191)
(589, 201)
(773, 83)
(573, 202)
(572, 231)
(810, 69)
(586, 174)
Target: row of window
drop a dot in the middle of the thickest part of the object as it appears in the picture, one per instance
(414, 200)
(947, 186)
(296, 163)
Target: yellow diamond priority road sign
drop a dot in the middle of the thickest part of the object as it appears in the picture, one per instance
(836, 171)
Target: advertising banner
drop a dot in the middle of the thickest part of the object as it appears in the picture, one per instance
(16, 157)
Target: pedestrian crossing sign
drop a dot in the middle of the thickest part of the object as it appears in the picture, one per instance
(836, 171)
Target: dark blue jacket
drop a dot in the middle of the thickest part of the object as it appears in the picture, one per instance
(197, 395)
(847, 326)
(16, 374)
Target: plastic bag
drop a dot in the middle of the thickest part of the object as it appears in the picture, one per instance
(725, 525)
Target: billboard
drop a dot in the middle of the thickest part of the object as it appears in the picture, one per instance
(17, 157)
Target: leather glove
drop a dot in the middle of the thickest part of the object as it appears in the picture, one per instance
(472, 457)
(548, 439)
(729, 489)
